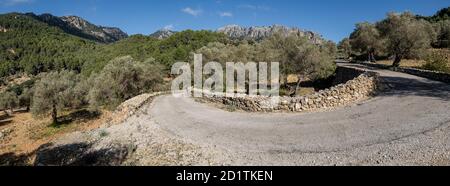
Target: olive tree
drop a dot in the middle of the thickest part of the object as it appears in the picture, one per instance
(25, 99)
(53, 92)
(442, 29)
(345, 47)
(366, 40)
(298, 56)
(405, 35)
(295, 54)
(122, 79)
(8, 100)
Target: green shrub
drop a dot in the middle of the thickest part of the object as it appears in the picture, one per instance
(122, 79)
(8, 100)
(437, 62)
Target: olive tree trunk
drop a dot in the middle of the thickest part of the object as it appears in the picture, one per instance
(397, 60)
(298, 87)
(54, 114)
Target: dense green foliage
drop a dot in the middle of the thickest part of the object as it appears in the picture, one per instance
(366, 40)
(122, 79)
(31, 46)
(405, 36)
(443, 14)
(344, 48)
(442, 29)
(178, 47)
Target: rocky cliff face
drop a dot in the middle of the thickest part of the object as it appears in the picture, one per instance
(115, 33)
(104, 34)
(258, 33)
(162, 34)
(78, 26)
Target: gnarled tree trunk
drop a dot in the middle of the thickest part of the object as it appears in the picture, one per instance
(54, 114)
(297, 87)
(397, 60)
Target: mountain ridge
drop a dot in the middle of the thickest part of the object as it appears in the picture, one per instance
(261, 32)
(162, 33)
(82, 28)
(256, 33)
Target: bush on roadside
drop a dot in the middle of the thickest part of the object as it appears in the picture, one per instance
(122, 79)
(436, 61)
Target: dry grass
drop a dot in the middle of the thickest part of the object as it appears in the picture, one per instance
(29, 133)
(414, 63)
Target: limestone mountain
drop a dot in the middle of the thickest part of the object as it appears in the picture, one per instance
(163, 34)
(78, 26)
(261, 32)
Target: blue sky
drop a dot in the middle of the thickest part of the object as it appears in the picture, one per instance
(334, 19)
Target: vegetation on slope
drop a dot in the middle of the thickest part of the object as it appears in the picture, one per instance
(30, 46)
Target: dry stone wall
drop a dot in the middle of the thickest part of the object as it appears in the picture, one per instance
(129, 107)
(356, 84)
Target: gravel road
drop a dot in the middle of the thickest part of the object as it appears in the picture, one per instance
(407, 125)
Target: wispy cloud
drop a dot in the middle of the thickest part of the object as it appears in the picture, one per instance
(14, 2)
(194, 12)
(169, 27)
(225, 14)
(255, 7)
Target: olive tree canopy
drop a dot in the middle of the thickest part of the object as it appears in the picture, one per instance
(405, 35)
(54, 92)
(122, 79)
(366, 40)
(345, 48)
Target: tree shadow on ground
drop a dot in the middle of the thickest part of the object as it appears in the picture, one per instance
(80, 154)
(12, 159)
(77, 116)
(400, 86)
(76, 154)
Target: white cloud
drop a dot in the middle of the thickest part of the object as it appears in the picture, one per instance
(189, 10)
(15, 2)
(226, 14)
(169, 27)
(255, 7)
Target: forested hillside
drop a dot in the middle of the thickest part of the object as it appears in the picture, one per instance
(31, 46)
(166, 51)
